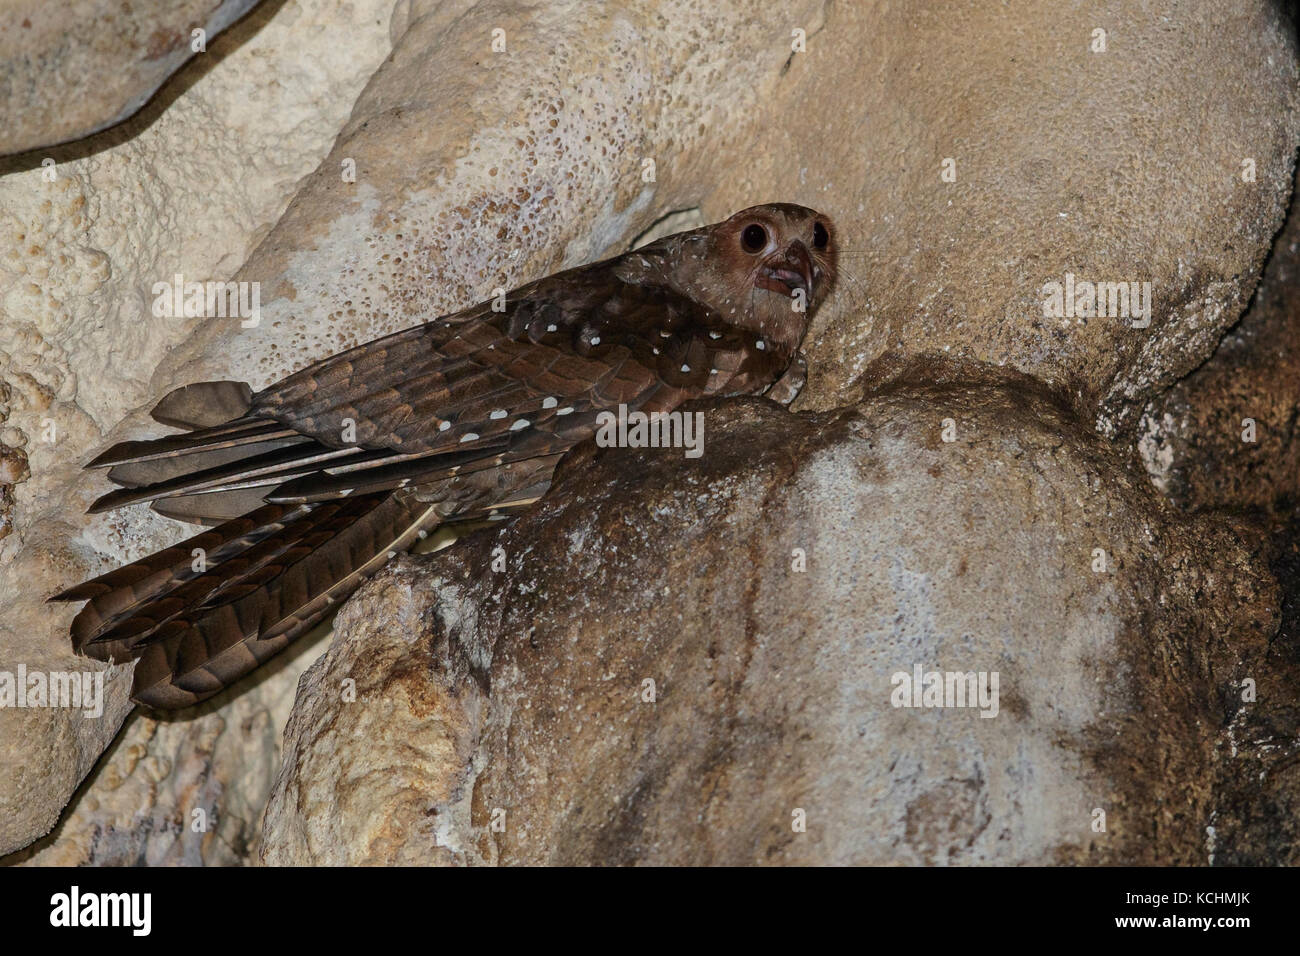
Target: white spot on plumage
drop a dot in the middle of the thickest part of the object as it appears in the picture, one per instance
(549, 401)
(565, 411)
(468, 436)
(443, 426)
(521, 423)
(595, 340)
(551, 327)
(760, 345)
(498, 413)
(686, 368)
(715, 335)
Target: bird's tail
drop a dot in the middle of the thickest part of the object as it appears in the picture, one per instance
(200, 615)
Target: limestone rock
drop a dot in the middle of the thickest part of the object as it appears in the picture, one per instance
(190, 190)
(70, 69)
(520, 696)
(13, 464)
(187, 791)
(1117, 164)
(384, 674)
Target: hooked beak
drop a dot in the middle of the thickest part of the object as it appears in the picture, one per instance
(783, 273)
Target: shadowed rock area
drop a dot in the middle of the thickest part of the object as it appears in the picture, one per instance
(1223, 443)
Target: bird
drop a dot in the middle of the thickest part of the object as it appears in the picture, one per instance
(309, 486)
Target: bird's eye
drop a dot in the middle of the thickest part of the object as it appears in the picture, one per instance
(753, 239)
(820, 236)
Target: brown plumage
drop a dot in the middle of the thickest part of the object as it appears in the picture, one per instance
(314, 482)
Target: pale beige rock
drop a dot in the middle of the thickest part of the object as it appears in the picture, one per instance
(1116, 166)
(520, 694)
(70, 69)
(179, 792)
(378, 678)
(192, 190)
(13, 463)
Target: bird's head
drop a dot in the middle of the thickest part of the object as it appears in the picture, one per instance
(765, 269)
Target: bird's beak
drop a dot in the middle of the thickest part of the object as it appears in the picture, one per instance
(783, 273)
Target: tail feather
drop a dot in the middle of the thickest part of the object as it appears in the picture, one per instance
(267, 468)
(203, 404)
(221, 642)
(132, 586)
(405, 471)
(395, 472)
(198, 616)
(136, 474)
(239, 432)
(211, 507)
(169, 558)
(229, 577)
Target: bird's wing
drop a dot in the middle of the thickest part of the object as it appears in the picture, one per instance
(576, 341)
(470, 391)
